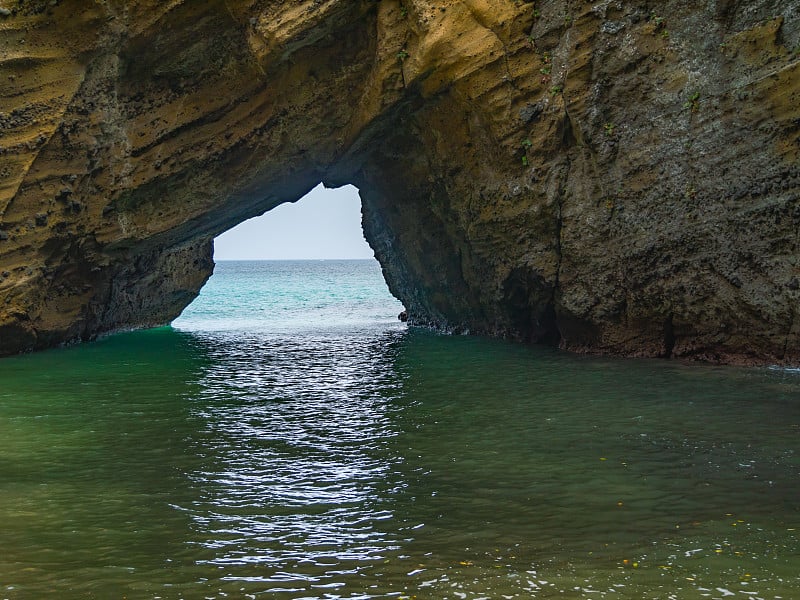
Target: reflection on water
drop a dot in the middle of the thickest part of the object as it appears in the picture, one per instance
(371, 461)
(311, 468)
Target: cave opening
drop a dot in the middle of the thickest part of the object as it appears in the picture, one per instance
(304, 263)
(324, 224)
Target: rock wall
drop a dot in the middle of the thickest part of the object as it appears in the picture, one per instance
(618, 177)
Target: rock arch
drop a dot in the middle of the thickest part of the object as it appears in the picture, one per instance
(563, 173)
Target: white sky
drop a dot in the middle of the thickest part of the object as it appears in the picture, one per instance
(324, 223)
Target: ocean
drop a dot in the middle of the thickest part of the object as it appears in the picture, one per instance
(287, 437)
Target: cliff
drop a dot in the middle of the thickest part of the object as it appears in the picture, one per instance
(618, 177)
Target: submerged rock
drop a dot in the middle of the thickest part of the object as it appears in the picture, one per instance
(600, 177)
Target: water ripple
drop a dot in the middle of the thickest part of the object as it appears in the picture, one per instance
(233, 459)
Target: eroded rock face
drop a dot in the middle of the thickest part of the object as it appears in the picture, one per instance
(618, 177)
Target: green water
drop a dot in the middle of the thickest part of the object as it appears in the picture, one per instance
(288, 438)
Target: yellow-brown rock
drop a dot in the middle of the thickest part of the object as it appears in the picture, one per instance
(610, 176)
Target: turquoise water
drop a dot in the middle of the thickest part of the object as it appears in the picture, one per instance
(289, 438)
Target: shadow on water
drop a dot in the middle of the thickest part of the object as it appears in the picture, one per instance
(179, 464)
(92, 454)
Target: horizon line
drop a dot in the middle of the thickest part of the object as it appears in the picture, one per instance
(279, 259)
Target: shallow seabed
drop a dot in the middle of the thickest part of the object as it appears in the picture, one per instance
(287, 438)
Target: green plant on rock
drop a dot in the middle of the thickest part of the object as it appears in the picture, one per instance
(526, 143)
(402, 55)
(609, 129)
(556, 90)
(693, 103)
(547, 68)
(657, 21)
